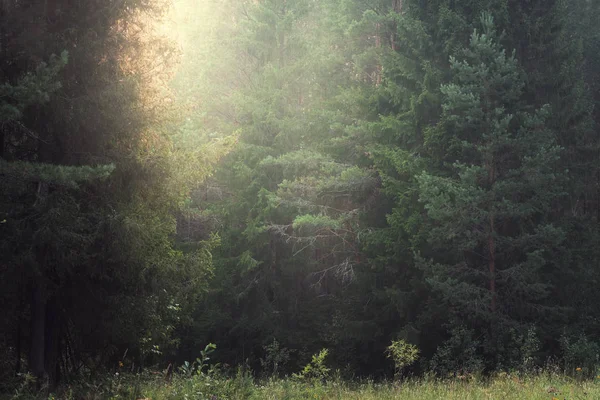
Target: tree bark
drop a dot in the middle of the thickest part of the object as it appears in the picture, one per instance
(37, 350)
(3, 55)
(491, 241)
(397, 7)
(378, 67)
(52, 342)
(19, 331)
(38, 329)
(492, 264)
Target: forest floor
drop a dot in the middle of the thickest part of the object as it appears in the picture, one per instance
(504, 386)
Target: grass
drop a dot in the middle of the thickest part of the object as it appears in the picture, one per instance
(546, 388)
(504, 386)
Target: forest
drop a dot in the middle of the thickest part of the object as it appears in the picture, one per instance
(297, 191)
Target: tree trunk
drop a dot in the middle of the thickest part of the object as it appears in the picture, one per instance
(37, 350)
(491, 241)
(3, 54)
(52, 342)
(378, 67)
(18, 349)
(282, 38)
(4, 11)
(38, 330)
(19, 331)
(492, 264)
(397, 8)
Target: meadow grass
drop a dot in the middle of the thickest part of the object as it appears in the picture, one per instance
(544, 386)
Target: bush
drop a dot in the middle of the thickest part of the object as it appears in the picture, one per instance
(580, 355)
(403, 354)
(458, 355)
(275, 358)
(316, 369)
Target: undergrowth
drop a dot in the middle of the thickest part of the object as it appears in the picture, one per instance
(206, 386)
(204, 381)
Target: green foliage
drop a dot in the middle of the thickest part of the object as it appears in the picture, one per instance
(403, 354)
(338, 173)
(241, 386)
(201, 365)
(458, 355)
(523, 352)
(31, 88)
(89, 191)
(247, 262)
(362, 186)
(276, 358)
(493, 148)
(68, 176)
(301, 163)
(580, 355)
(314, 223)
(316, 370)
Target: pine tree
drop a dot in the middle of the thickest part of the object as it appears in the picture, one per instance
(580, 135)
(79, 241)
(490, 199)
(35, 89)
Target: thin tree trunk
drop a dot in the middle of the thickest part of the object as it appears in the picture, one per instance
(52, 342)
(379, 67)
(491, 240)
(4, 15)
(492, 264)
(38, 327)
(19, 332)
(397, 8)
(3, 55)
(37, 350)
(18, 348)
(282, 38)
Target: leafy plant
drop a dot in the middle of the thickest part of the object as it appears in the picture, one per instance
(316, 370)
(403, 354)
(197, 367)
(580, 355)
(275, 358)
(313, 223)
(458, 355)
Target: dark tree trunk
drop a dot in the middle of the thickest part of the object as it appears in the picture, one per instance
(18, 349)
(492, 267)
(52, 342)
(3, 44)
(19, 331)
(37, 350)
(38, 330)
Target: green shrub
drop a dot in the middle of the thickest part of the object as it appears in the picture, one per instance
(458, 355)
(275, 358)
(403, 354)
(580, 355)
(201, 362)
(316, 370)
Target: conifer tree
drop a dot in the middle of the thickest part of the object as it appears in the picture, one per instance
(490, 198)
(87, 251)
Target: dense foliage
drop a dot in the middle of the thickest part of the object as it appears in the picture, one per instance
(385, 187)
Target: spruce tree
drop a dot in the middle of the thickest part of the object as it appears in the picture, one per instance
(489, 200)
(78, 241)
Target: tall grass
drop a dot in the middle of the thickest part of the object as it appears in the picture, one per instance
(507, 387)
(542, 386)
